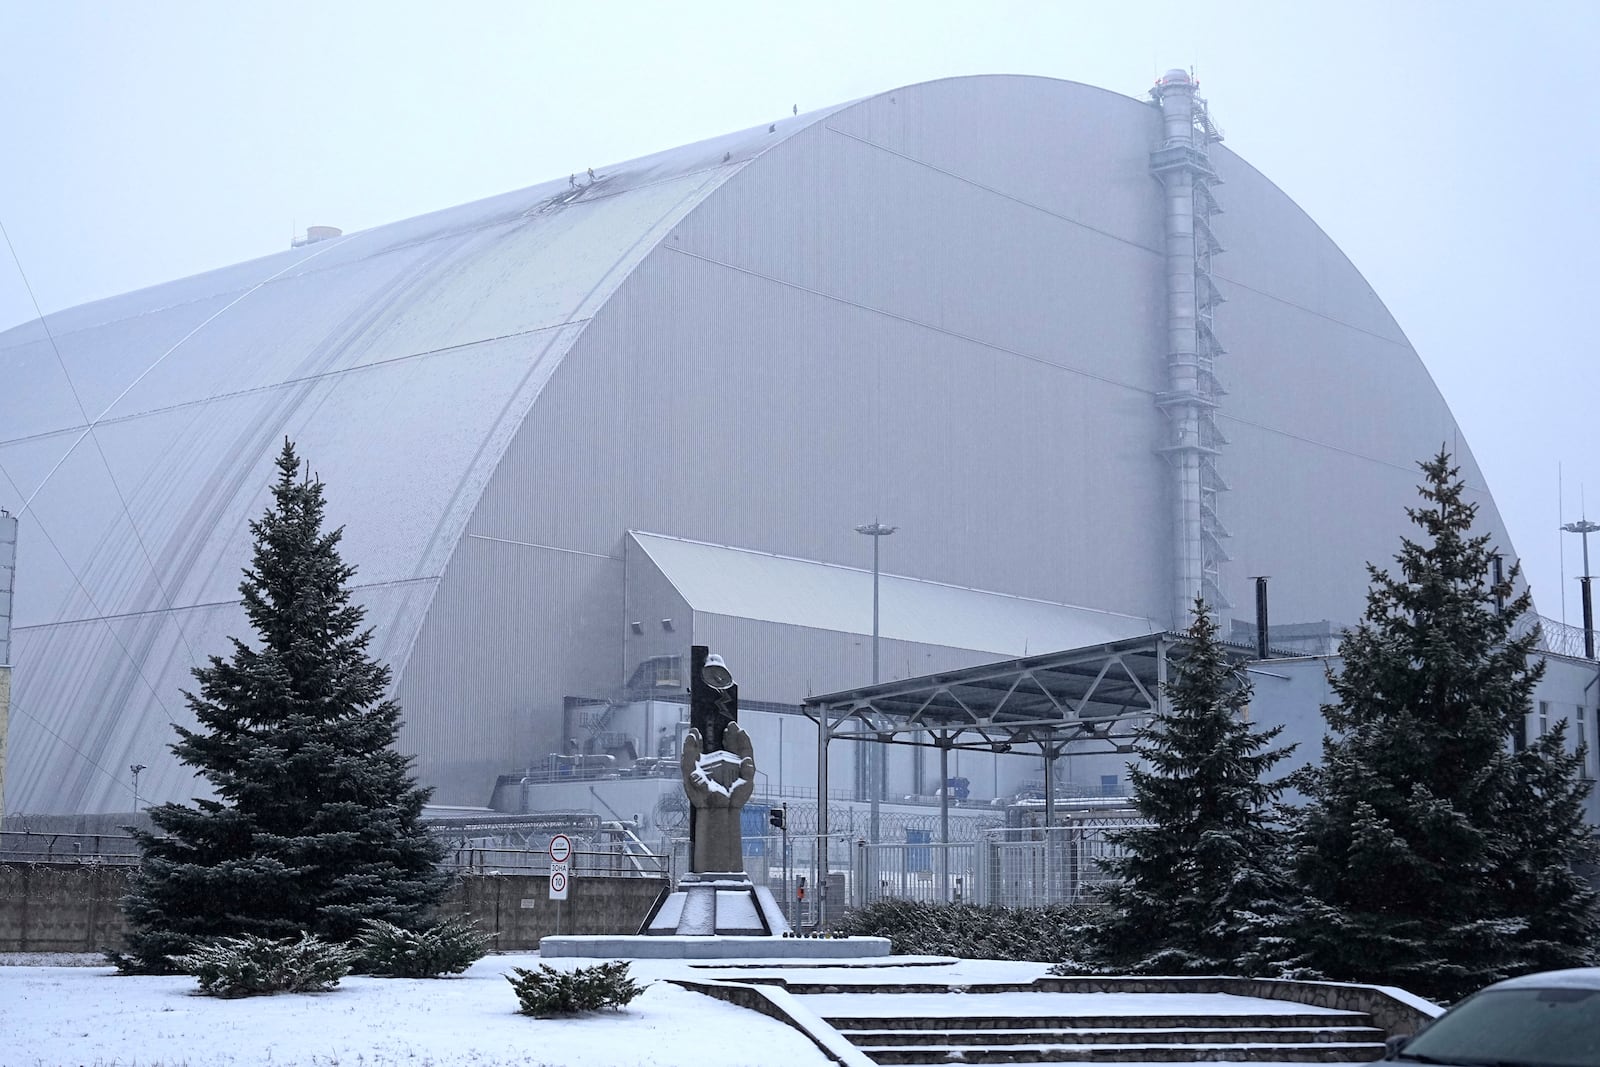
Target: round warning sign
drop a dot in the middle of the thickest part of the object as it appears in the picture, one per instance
(560, 848)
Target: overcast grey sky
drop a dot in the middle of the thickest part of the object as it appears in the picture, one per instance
(1451, 149)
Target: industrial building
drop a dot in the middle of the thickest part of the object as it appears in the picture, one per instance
(1081, 358)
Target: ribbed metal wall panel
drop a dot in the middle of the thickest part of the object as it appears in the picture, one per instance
(514, 630)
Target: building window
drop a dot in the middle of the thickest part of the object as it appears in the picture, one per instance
(1544, 717)
(1108, 785)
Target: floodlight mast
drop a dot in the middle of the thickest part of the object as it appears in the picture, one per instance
(1584, 527)
(876, 757)
(875, 530)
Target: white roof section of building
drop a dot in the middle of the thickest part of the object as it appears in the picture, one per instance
(745, 583)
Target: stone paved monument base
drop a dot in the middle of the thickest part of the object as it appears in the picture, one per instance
(726, 904)
(672, 947)
(716, 916)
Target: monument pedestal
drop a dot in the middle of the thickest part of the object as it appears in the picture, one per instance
(717, 903)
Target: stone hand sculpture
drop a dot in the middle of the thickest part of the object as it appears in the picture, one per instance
(718, 784)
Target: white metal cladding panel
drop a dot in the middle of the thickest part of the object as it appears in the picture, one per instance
(1300, 373)
(1274, 248)
(513, 630)
(838, 216)
(784, 663)
(650, 599)
(400, 360)
(1312, 539)
(738, 421)
(761, 586)
(113, 688)
(1076, 151)
(31, 363)
(397, 303)
(194, 477)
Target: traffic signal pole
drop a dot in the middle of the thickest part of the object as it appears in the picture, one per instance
(779, 817)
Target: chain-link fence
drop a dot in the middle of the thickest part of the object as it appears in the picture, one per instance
(1027, 867)
(613, 861)
(27, 846)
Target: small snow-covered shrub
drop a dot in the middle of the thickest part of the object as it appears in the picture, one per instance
(971, 931)
(448, 947)
(548, 991)
(249, 966)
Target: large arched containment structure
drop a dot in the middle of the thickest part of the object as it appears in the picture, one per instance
(571, 428)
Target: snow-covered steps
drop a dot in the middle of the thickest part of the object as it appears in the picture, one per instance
(874, 1012)
(1136, 1040)
(1010, 1024)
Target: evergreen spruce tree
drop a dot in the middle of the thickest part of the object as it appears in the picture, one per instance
(1429, 855)
(1201, 889)
(315, 826)
(1544, 840)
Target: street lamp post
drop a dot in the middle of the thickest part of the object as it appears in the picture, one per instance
(876, 531)
(875, 766)
(137, 769)
(1585, 528)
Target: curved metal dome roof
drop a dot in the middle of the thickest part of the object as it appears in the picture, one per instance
(400, 359)
(405, 362)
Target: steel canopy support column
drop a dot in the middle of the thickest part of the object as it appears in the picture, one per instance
(1049, 752)
(944, 817)
(819, 858)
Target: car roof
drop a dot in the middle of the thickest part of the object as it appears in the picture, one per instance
(1576, 978)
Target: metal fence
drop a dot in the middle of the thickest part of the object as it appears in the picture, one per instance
(34, 846)
(1062, 865)
(611, 858)
(595, 862)
(924, 870)
(1027, 867)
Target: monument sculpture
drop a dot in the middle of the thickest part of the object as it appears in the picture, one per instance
(715, 911)
(718, 784)
(716, 896)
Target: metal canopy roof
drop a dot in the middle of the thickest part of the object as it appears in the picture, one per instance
(1097, 694)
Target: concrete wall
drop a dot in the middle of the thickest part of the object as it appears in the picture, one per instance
(75, 907)
(48, 907)
(517, 910)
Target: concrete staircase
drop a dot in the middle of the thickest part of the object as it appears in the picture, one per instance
(858, 1020)
(1346, 1037)
(1042, 1022)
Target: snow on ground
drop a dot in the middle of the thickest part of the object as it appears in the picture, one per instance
(57, 1011)
(58, 1016)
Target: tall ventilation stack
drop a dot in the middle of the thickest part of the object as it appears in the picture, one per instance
(8, 570)
(1183, 164)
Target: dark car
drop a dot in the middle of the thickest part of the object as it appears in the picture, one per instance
(1538, 1020)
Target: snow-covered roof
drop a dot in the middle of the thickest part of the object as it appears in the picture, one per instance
(744, 583)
